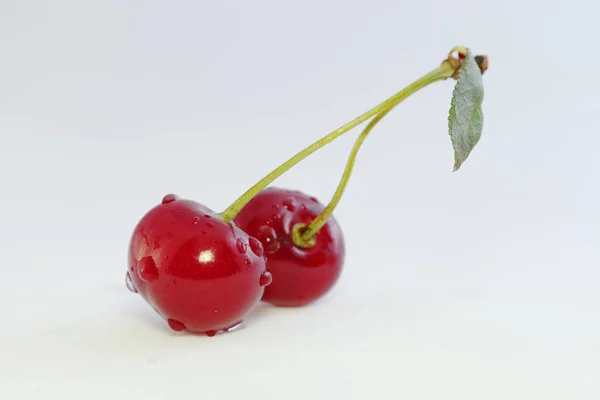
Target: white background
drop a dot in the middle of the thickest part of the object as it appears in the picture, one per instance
(478, 284)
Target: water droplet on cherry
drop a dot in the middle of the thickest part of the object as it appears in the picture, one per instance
(210, 225)
(129, 283)
(196, 220)
(234, 327)
(210, 333)
(204, 232)
(169, 198)
(241, 246)
(207, 216)
(256, 246)
(265, 279)
(314, 200)
(275, 207)
(289, 205)
(177, 326)
(268, 238)
(248, 262)
(147, 269)
(302, 207)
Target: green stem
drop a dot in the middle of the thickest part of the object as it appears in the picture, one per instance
(308, 232)
(304, 236)
(443, 72)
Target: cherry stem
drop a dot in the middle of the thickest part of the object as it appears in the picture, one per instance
(305, 236)
(448, 68)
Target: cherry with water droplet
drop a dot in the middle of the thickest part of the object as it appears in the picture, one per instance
(300, 275)
(200, 283)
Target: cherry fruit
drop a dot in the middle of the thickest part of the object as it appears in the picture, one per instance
(301, 273)
(200, 273)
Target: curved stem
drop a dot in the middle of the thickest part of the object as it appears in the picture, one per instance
(307, 233)
(445, 71)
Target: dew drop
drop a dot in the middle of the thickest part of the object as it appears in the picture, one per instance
(177, 326)
(129, 283)
(248, 262)
(147, 269)
(265, 279)
(241, 246)
(210, 333)
(196, 220)
(314, 200)
(210, 225)
(207, 216)
(275, 207)
(302, 207)
(170, 198)
(275, 218)
(235, 327)
(289, 204)
(268, 238)
(204, 232)
(256, 246)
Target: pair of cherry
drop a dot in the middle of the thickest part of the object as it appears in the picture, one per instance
(203, 274)
(203, 271)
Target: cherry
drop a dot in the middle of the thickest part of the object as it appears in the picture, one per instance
(301, 274)
(200, 273)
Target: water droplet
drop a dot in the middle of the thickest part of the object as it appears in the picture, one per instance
(268, 222)
(268, 238)
(265, 279)
(275, 218)
(235, 327)
(204, 232)
(256, 246)
(196, 220)
(147, 269)
(210, 333)
(241, 246)
(177, 326)
(210, 225)
(289, 204)
(248, 262)
(129, 283)
(207, 216)
(314, 200)
(275, 207)
(302, 207)
(131, 268)
(170, 198)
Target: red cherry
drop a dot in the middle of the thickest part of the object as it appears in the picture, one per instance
(200, 273)
(300, 275)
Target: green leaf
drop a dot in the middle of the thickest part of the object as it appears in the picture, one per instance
(465, 122)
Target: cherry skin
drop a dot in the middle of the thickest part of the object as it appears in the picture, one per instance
(300, 275)
(200, 273)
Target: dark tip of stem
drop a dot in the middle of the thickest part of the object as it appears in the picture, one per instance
(482, 61)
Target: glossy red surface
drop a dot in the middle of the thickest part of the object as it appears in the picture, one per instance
(300, 275)
(198, 272)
